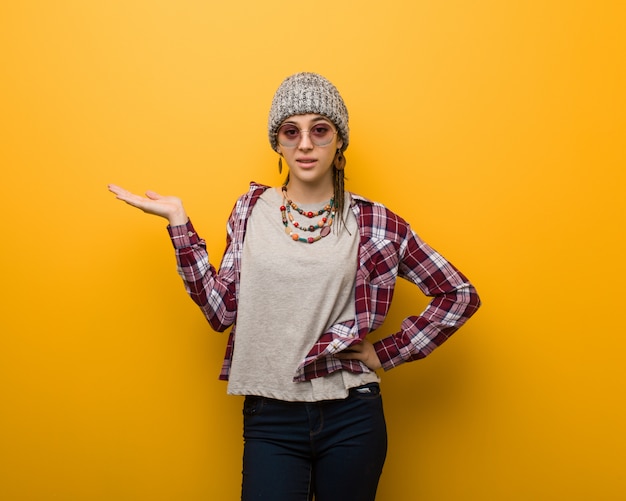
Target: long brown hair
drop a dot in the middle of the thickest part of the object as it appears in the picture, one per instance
(339, 194)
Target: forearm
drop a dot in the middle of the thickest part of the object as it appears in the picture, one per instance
(213, 292)
(420, 335)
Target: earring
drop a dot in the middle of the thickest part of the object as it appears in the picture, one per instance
(340, 160)
(280, 165)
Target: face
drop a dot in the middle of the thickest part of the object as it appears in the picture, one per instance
(309, 163)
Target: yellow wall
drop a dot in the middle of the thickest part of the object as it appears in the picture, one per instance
(496, 128)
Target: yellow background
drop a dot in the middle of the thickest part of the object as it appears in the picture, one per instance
(496, 128)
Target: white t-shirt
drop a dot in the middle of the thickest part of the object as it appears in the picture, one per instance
(290, 293)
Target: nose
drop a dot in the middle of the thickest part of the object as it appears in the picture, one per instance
(305, 141)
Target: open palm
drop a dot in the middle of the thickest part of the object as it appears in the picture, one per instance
(171, 208)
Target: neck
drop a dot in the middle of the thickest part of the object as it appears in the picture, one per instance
(306, 193)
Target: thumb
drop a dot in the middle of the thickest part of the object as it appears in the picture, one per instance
(153, 195)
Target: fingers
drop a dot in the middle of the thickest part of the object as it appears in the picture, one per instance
(113, 188)
(121, 193)
(128, 197)
(364, 352)
(357, 348)
(131, 198)
(356, 351)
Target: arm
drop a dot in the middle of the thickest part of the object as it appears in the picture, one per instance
(214, 292)
(454, 301)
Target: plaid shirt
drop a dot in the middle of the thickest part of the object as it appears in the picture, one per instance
(388, 249)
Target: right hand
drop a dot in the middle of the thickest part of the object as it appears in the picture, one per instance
(170, 208)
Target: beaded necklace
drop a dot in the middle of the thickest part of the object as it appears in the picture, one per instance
(325, 222)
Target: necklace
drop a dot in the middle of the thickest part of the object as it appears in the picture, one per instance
(325, 222)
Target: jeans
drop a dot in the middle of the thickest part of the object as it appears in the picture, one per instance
(333, 450)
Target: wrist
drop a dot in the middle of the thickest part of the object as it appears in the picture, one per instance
(178, 218)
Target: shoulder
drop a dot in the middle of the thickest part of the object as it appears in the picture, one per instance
(244, 205)
(247, 200)
(255, 190)
(377, 219)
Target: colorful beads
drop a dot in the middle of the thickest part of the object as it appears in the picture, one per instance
(327, 207)
(324, 224)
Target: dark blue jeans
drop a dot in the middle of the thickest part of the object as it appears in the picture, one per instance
(333, 450)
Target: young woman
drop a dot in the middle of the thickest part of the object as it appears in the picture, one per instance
(309, 271)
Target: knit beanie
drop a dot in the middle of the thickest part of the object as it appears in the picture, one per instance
(304, 93)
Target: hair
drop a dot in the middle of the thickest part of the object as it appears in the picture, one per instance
(339, 193)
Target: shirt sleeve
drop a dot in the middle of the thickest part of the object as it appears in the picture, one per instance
(214, 292)
(454, 301)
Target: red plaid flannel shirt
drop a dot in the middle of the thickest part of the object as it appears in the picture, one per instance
(388, 249)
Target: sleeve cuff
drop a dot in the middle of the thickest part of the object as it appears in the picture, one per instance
(183, 235)
(388, 353)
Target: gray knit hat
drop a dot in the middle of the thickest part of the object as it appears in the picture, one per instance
(308, 93)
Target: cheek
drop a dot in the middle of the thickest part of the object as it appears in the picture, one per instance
(329, 158)
(288, 157)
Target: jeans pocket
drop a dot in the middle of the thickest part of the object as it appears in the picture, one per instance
(369, 391)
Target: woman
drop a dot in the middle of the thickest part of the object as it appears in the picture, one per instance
(308, 272)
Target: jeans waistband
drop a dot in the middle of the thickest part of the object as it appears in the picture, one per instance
(371, 389)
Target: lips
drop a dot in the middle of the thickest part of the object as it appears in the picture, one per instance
(306, 162)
